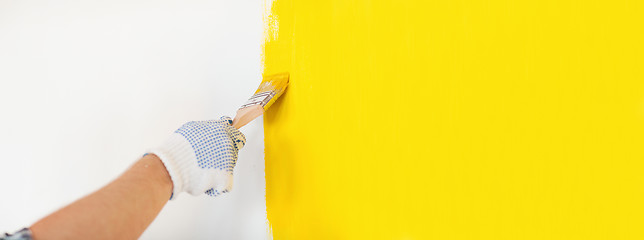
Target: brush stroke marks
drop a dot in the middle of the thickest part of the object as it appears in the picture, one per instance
(271, 22)
(456, 120)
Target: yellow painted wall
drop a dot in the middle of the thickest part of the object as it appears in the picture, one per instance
(459, 119)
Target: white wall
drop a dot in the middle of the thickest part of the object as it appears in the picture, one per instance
(87, 86)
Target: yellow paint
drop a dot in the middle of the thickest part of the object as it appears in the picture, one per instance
(460, 119)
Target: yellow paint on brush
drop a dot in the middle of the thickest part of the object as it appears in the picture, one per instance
(456, 120)
(269, 90)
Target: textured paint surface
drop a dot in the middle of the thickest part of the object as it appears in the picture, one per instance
(456, 120)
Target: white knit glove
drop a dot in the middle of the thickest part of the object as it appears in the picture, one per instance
(200, 156)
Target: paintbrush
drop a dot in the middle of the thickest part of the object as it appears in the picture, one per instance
(269, 90)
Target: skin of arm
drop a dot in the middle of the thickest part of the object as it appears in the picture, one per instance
(123, 209)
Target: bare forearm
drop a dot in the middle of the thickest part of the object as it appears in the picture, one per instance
(121, 210)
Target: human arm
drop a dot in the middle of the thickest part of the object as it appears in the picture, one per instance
(198, 158)
(123, 209)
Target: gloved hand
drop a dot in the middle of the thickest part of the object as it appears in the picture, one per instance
(200, 156)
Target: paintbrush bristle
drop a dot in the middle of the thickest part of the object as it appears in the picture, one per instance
(269, 90)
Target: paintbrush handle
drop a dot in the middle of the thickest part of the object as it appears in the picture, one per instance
(246, 115)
